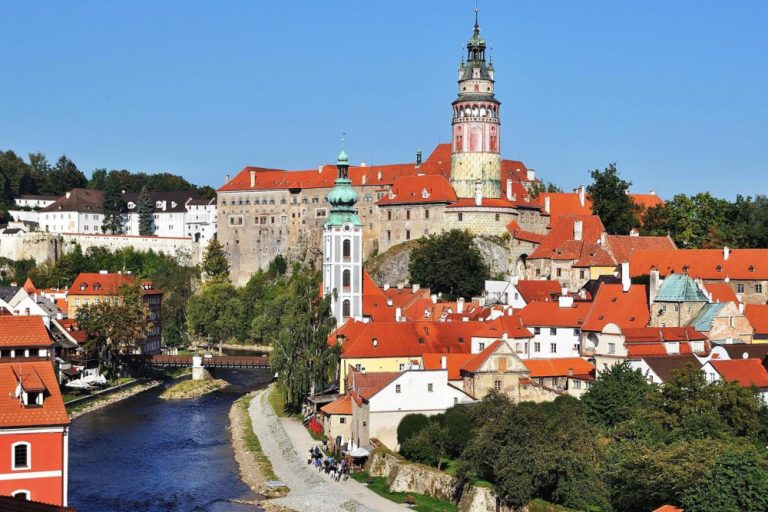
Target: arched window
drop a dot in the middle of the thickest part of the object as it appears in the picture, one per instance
(346, 278)
(345, 309)
(346, 248)
(22, 493)
(20, 453)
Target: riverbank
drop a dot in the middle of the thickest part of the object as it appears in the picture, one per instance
(247, 348)
(99, 403)
(187, 389)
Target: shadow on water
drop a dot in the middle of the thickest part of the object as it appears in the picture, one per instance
(145, 454)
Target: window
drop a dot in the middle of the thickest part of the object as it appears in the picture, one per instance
(430, 387)
(740, 288)
(497, 385)
(346, 250)
(342, 420)
(426, 213)
(408, 214)
(576, 331)
(537, 330)
(537, 346)
(758, 288)
(461, 217)
(498, 217)
(389, 236)
(553, 331)
(389, 214)
(611, 348)
(21, 456)
(582, 275)
(481, 346)
(345, 308)
(553, 348)
(397, 388)
(559, 272)
(346, 277)
(402, 366)
(407, 234)
(576, 384)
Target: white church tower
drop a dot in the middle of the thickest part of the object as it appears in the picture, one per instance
(343, 248)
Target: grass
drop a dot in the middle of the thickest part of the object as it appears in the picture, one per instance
(277, 401)
(193, 388)
(175, 373)
(252, 441)
(450, 466)
(421, 503)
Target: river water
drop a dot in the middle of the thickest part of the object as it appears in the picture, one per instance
(145, 454)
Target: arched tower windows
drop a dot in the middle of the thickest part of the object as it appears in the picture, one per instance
(346, 248)
(346, 278)
(345, 308)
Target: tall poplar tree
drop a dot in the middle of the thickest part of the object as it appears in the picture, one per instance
(146, 219)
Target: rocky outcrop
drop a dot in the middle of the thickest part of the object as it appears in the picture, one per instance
(403, 476)
(496, 253)
(391, 267)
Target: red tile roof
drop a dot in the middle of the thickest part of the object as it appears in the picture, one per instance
(555, 245)
(647, 200)
(668, 508)
(622, 246)
(29, 286)
(533, 291)
(341, 406)
(362, 385)
(757, 314)
(73, 329)
(721, 292)
(567, 203)
(375, 301)
(404, 297)
(425, 309)
(646, 349)
(476, 362)
(519, 233)
(420, 189)
(512, 325)
(662, 334)
(406, 339)
(612, 305)
(23, 331)
(550, 314)
(743, 264)
(558, 367)
(453, 363)
(96, 283)
(747, 372)
(12, 413)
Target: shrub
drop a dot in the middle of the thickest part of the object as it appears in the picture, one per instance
(410, 425)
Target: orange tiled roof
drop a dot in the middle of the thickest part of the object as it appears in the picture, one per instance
(362, 385)
(73, 330)
(419, 189)
(646, 349)
(668, 508)
(550, 314)
(747, 372)
(12, 413)
(341, 406)
(476, 362)
(568, 203)
(404, 297)
(612, 305)
(757, 314)
(721, 292)
(555, 244)
(512, 325)
(453, 363)
(96, 283)
(375, 301)
(406, 339)
(519, 233)
(533, 291)
(622, 246)
(29, 286)
(662, 334)
(558, 367)
(744, 264)
(23, 331)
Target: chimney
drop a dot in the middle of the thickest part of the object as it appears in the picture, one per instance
(363, 164)
(400, 286)
(460, 305)
(443, 362)
(582, 196)
(564, 291)
(59, 316)
(418, 158)
(583, 294)
(565, 302)
(603, 238)
(504, 336)
(530, 174)
(398, 314)
(653, 285)
(364, 176)
(68, 194)
(253, 178)
(546, 204)
(578, 229)
(434, 298)
(478, 193)
(626, 282)
(104, 272)
(726, 253)
(634, 232)
(320, 168)
(415, 288)
(390, 302)
(741, 308)
(386, 287)
(509, 190)
(226, 179)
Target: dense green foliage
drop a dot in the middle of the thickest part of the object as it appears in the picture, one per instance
(215, 263)
(410, 425)
(101, 179)
(146, 217)
(539, 187)
(626, 446)
(112, 207)
(611, 202)
(449, 263)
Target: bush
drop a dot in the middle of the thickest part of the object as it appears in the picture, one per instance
(410, 425)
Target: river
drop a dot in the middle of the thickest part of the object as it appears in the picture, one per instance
(145, 454)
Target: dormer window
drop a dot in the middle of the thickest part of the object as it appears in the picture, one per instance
(424, 193)
(83, 287)
(719, 268)
(751, 268)
(96, 286)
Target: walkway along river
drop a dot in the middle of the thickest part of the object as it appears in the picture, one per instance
(145, 454)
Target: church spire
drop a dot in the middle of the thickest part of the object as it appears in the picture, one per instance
(342, 196)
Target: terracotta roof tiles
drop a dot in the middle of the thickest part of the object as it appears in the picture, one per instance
(13, 413)
(23, 331)
(747, 372)
(558, 367)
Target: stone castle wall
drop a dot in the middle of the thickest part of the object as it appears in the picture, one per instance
(467, 168)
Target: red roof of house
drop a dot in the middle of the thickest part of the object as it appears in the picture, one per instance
(363, 385)
(375, 301)
(406, 339)
(473, 364)
(29, 286)
(722, 292)
(646, 349)
(622, 246)
(37, 374)
(568, 203)
(612, 305)
(23, 331)
(73, 329)
(550, 314)
(419, 189)
(425, 309)
(560, 243)
(404, 297)
(453, 363)
(512, 325)
(747, 372)
(757, 314)
(742, 264)
(647, 200)
(662, 334)
(341, 406)
(533, 291)
(668, 508)
(517, 232)
(558, 367)
(96, 283)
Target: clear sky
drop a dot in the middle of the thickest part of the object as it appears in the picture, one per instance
(675, 92)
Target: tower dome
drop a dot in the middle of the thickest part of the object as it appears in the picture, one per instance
(342, 196)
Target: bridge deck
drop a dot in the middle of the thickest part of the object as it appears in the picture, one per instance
(212, 362)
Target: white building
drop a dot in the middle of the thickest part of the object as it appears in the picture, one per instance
(556, 327)
(77, 211)
(201, 220)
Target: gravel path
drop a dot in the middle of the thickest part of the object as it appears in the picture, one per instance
(310, 490)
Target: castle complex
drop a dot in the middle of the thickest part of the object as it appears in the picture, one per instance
(464, 184)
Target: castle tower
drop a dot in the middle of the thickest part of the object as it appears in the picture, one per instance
(475, 155)
(343, 248)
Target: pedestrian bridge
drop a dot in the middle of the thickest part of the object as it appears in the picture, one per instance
(210, 361)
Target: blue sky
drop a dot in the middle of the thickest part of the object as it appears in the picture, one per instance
(674, 92)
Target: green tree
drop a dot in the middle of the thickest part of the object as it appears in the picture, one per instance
(215, 312)
(146, 215)
(616, 395)
(611, 201)
(428, 445)
(215, 264)
(113, 206)
(63, 176)
(410, 425)
(540, 187)
(115, 328)
(449, 263)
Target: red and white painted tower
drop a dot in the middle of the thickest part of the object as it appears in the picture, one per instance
(476, 156)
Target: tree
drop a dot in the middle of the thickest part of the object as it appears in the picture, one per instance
(112, 208)
(449, 263)
(540, 187)
(215, 264)
(63, 176)
(616, 395)
(428, 445)
(145, 209)
(215, 312)
(116, 328)
(410, 425)
(611, 201)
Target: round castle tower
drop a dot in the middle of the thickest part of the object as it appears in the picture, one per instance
(475, 155)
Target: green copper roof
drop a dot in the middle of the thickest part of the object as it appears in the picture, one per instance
(343, 158)
(703, 320)
(343, 197)
(680, 288)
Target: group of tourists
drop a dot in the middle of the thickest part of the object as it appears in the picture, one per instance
(337, 470)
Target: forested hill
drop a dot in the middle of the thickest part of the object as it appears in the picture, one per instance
(37, 175)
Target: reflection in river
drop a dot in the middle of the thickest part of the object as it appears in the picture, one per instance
(145, 454)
